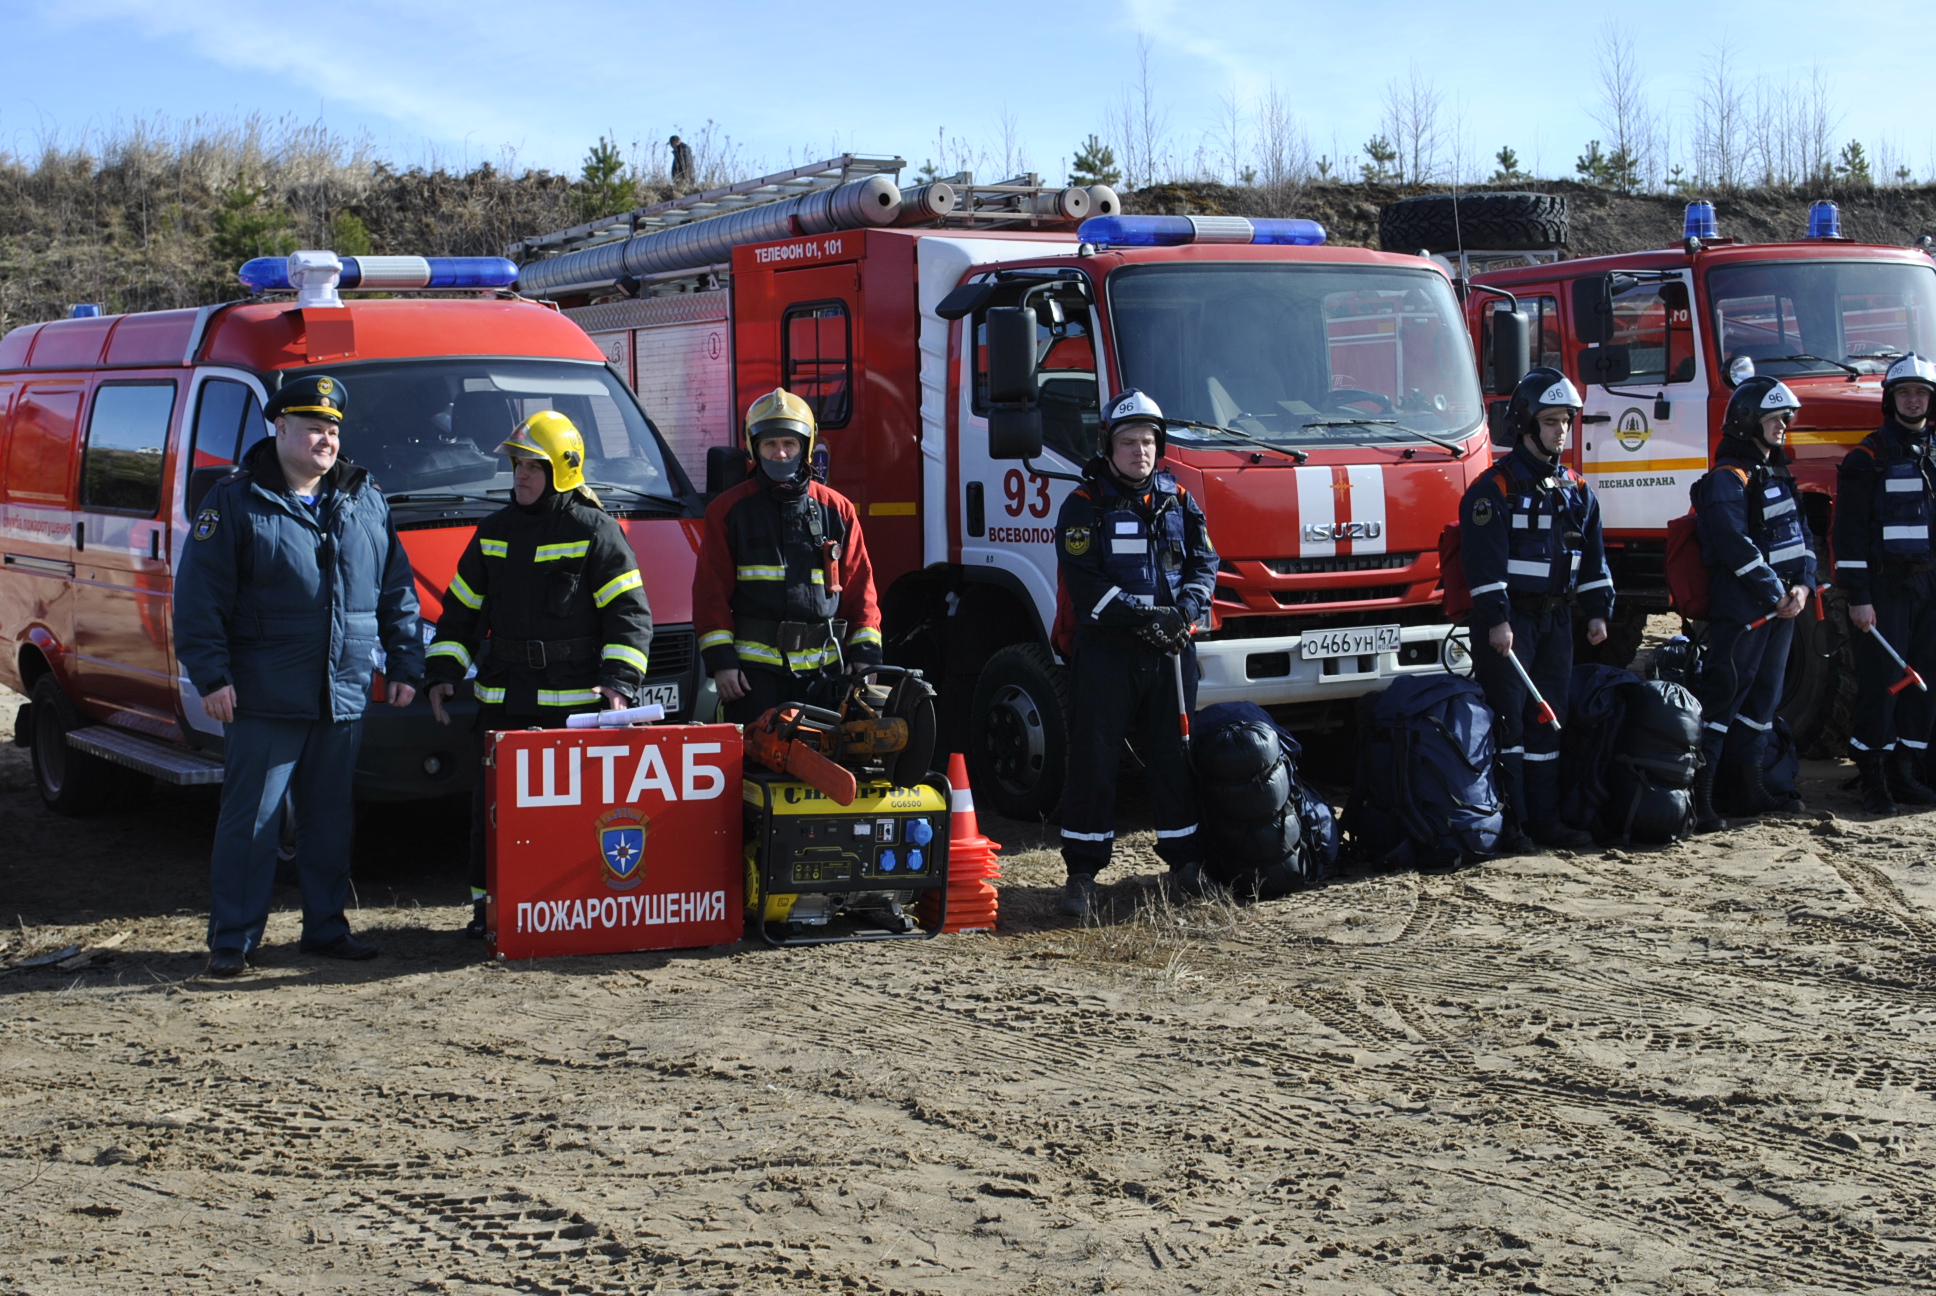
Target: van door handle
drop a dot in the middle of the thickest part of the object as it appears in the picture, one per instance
(154, 545)
(1596, 418)
(80, 536)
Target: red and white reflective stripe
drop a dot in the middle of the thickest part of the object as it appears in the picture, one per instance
(1367, 503)
(1317, 504)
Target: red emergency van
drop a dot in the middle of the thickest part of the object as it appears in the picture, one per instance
(113, 427)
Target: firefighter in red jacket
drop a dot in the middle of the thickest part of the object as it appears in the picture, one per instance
(783, 593)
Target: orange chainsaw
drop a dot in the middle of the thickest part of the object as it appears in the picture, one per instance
(799, 740)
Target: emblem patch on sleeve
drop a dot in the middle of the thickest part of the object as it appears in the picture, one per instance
(1481, 512)
(205, 523)
(1076, 541)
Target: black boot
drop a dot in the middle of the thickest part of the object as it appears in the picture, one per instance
(1079, 895)
(1905, 779)
(1751, 795)
(479, 923)
(1513, 839)
(1875, 784)
(1705, 818)
(1559, 835)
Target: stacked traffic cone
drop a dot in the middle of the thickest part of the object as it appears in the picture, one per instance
(972, 864)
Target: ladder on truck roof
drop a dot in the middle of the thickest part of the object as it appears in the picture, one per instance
(589, 262)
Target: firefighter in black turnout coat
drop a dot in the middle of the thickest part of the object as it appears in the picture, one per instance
(1761, 568)
(1885, 503)
(547, 603)
(1530, 532)
(1137, 569)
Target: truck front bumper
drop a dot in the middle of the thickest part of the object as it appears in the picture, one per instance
(1274, 672)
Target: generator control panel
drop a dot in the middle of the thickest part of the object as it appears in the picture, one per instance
(889, 839)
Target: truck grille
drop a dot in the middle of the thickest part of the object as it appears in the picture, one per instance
(1341, 563)
(672, 650)
(1350, 594)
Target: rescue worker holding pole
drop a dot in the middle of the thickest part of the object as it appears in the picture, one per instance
(1885, 503)
(547, 603)
(1138, 570)
(1529, 529)
(293, 580)
(1761, 571)
(783, 593)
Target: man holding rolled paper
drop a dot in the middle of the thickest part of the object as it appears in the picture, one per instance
(547, 605)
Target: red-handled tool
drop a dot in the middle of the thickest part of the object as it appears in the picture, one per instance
(1546, 712)
(1182, 698)
(1909, 674)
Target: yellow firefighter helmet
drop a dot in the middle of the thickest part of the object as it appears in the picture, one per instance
(550, 436)
(780, 413)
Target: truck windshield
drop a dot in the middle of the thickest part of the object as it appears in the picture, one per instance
(1301, 355)
(1799, 317)
(432, 427)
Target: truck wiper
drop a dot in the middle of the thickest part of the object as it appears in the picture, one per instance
(1849, 369)
(667, 500)
(1292, 451)
(441, 497)
(1457, 449)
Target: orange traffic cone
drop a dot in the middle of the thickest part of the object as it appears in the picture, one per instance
(972, 898)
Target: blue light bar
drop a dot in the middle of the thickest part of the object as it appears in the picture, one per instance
(84, 310)
(391, 273)
(1172, 231)
(1700, 221)
(1824, 220)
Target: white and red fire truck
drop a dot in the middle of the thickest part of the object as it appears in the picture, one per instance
(1657, 341)
(1324, 402)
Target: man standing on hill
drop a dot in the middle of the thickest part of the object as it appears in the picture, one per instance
(293, 581)
(682, 174)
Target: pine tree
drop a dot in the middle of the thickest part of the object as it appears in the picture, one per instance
(1094, 163)
(1853, 169)
(1381, 169)
(246, 228)
(604, 186)
(1508, 172)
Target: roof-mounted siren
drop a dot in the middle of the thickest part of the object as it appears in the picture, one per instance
(1698, 225)
(315, 277)
(1824, 220)
(1172, 231)
(84, 310)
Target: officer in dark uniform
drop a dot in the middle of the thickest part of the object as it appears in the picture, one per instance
(293, 582)
(783, 573)
(547, 603)
(1530, 531)
(1885, 502)
(1137, 568)
(1761, 567)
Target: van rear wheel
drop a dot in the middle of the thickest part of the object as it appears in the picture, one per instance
(1018, 733)
(70, 781)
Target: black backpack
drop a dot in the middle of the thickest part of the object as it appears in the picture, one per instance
(1269, 834)
(1655, 758)
(1425, 792)
(1596, 705)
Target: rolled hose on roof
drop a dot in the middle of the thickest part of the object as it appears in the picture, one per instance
(856, 205)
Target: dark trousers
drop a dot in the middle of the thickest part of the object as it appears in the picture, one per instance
(1529, 750)
(1740, 683)
(769, 689)
(1906, 616)
(314, 761)
(1123, 690)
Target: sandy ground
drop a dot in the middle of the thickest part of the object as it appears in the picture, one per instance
(1703, 1069)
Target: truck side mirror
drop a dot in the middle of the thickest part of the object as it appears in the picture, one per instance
(726, 467)
(1011, 355)
(1512, 349)
(1593, 308)
(1673, 294)
(1604, 365)
(1014, 433)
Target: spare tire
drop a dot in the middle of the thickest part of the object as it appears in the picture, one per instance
(1487, 222)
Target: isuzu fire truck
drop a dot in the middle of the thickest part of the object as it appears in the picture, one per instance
(1323, 407)
(113, 427)
(1657, 341)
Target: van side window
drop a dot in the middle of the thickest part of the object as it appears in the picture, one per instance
(817, 359)
(40, 455)
(1659, 337)
(227, 423)
(126, 435)
(1543, 313)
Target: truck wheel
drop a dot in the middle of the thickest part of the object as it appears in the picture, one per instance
(1018, 733)
(1818, 692)
(1489, 222)
(71, 782)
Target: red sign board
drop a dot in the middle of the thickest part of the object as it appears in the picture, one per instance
(609, 840)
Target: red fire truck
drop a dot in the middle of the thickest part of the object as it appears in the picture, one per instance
(1657, 341)
(1323, 401)
(113, 427)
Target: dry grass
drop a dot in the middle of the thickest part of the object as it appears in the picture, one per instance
(1148, 929)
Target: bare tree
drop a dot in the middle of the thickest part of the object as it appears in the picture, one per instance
(1010, 130)
(1623, 112)
(1283, 152)
(1143, 126)
(1411, 122)
(1230, 134)
(1719, 129)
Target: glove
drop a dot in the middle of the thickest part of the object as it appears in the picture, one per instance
(1163, 629)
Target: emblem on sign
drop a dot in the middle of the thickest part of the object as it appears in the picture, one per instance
(621, 847)
(1632, 430)
(1076, 540)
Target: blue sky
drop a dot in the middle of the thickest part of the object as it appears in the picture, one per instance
(462, 81)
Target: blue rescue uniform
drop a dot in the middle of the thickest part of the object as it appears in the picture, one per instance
(1117, 554)
(1885, 502)
(1530, 534)
(292, 604)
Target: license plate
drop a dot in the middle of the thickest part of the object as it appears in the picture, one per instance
(666, 695)
(1358, 641)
